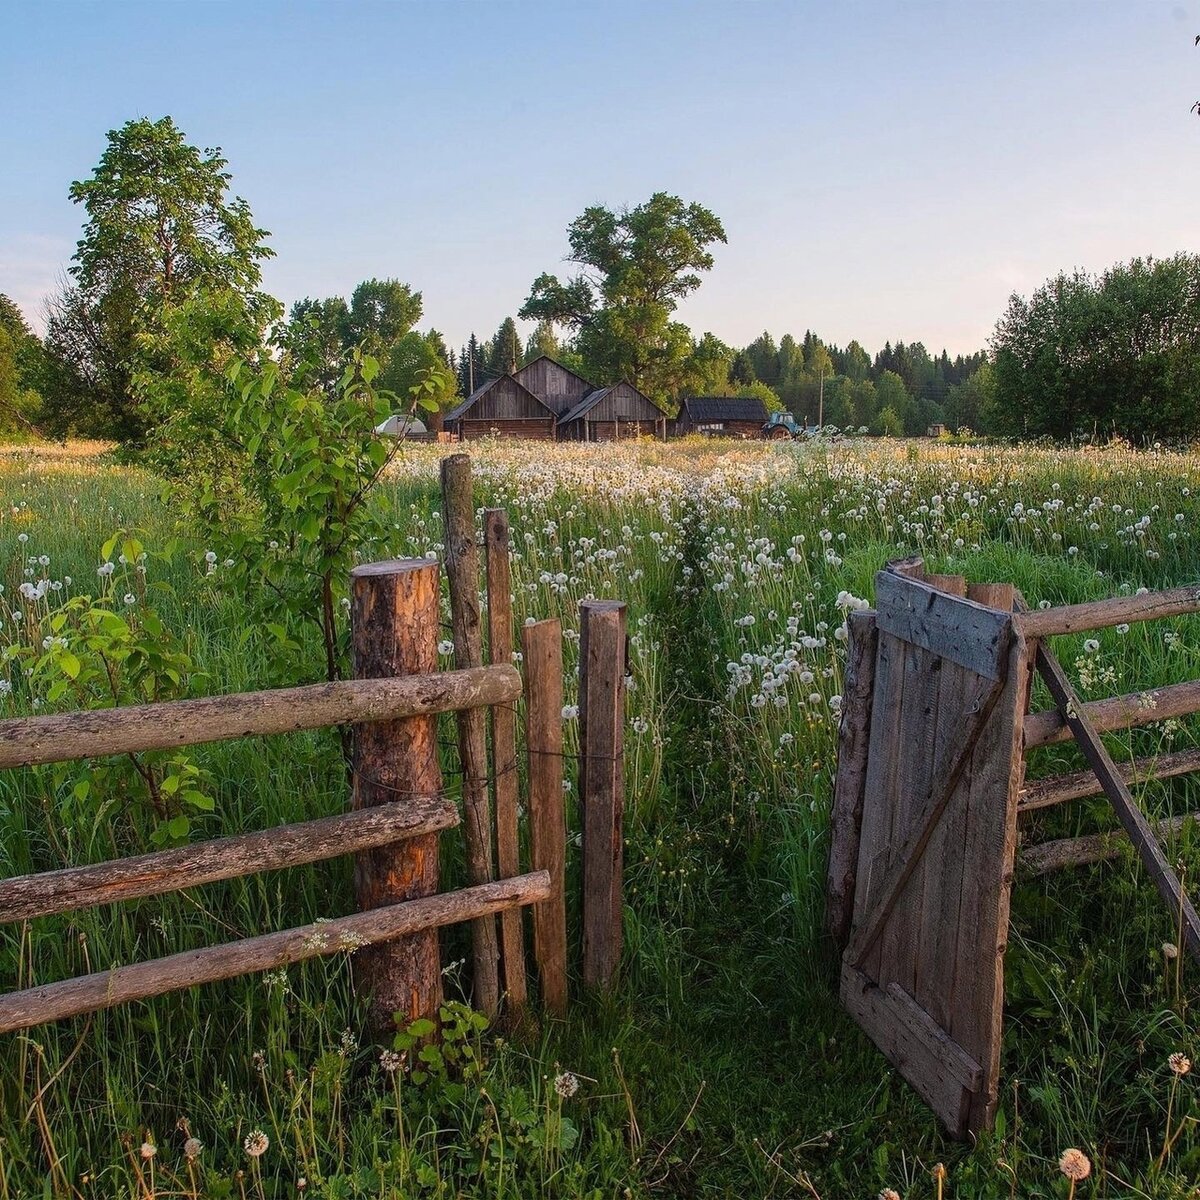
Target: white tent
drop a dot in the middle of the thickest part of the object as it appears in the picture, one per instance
(401, 425)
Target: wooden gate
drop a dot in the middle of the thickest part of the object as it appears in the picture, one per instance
(933, 707)
(930, 785)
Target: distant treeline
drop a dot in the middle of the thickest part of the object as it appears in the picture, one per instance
(164, 294)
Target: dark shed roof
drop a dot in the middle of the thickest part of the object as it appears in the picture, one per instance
(592, 399)
(725, 408)
(463, 406)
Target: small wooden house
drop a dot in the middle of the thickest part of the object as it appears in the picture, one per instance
(721, 416)
(553, 384)
(611, 414)
(502, 407)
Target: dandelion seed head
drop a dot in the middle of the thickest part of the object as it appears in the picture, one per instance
(1074, 1164)
(256, 1143)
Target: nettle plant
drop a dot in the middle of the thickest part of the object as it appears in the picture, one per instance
(64, 651)
(291, 510)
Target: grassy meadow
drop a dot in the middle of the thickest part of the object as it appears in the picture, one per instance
(723, 1065)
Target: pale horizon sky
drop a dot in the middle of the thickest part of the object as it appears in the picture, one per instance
(884, 171)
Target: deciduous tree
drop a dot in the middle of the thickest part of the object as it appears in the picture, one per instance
(160, 228)
(636, 266)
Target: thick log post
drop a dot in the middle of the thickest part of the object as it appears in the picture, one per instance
(602, 737)
(541, 646)
(462, 571)
(504, 749)
(394, 616)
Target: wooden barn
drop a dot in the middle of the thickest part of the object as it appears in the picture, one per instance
(553, 384)
(611, 414)
(502, 407)
(721, 416)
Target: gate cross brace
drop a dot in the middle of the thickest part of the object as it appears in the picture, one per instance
(1131, 817)
(905, 861)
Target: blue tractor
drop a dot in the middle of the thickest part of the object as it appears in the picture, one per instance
(781, 425)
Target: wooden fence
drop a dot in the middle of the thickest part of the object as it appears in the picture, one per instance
(399, 806)
(930, 785)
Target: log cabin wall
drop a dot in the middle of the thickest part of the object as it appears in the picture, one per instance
(506, 408)
(532, 428)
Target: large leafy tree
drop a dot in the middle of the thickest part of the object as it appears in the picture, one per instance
(417, 364)
(160, 229)
(381, 312)
(320, 335)
(636, 266)
(20, 369)
(1097, 355)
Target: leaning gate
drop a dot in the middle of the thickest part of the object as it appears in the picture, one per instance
(930, 785)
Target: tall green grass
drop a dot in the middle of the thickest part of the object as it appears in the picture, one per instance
(723, 1064)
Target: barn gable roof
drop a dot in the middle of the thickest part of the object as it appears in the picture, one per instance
(588, 384)
(593, 398)
(464, 406)
(725, 408)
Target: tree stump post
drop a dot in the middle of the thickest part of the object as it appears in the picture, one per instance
(394, 619)
(602, 739)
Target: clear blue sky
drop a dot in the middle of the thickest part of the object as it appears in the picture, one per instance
(884, 171)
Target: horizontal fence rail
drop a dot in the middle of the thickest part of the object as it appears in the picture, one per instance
(1103, 614)
(1059, 789)
(106, 989)
(1117, 712)
(33, 741)
(24, 897)
(1045, 857)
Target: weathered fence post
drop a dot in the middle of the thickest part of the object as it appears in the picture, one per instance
(462, 571)
(602, 737)
(541, 646)
(504, 749)
(854, 734)
(394, 618)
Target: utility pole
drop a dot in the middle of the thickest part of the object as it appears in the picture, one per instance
(821, 400)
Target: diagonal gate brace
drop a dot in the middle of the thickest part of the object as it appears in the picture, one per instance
(1136, 826)
(906, 859)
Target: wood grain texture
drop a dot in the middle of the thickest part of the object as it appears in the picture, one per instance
(989, 854)
(1059, 789)
(407, 920)
(504, 750)
(541, 645)
(1103, 614)
(462, 573)
(854, 732)
(905, 859)
(1128, 813)
(938, 942)
(875, 839)
(394, 622)
(27, 896)
(602, 738)
(923, 971)
(933, 1068)
(901, 915)
(970, 634)
(1117, 712)
(32, 741)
